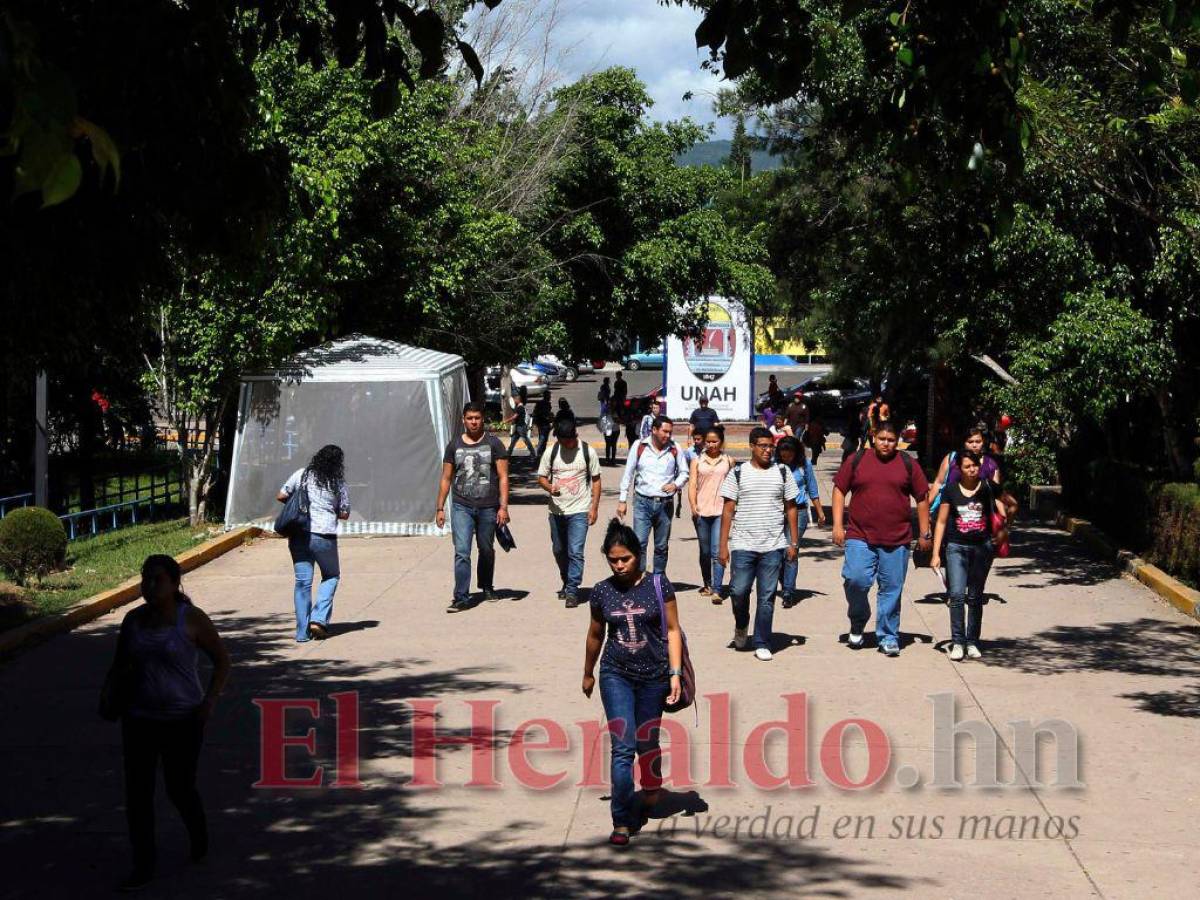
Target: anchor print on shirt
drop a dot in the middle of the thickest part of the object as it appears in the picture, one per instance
(630, 642)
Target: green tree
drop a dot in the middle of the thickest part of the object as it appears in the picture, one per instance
(635, 242)
(739, 159)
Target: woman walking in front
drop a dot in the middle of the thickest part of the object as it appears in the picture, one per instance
(154, 687)
(324, 478)
(708, 473)
(965, 522)
(790, 453)
(639, 671)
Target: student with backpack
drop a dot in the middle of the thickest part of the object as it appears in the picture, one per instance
(570, 474)
(971, 519)
(881, 481)
(542, 416)
(790, 453)
(642, 672)
(705, 477)
(975, 441)
(759, 531)
(519, 425)
(655, 472)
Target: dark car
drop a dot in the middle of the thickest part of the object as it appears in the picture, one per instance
(824, 393)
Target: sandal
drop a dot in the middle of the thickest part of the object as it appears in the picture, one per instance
(706, 591)
(619, 838)
(317, 630)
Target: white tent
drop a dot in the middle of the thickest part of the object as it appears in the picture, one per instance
(391, 407)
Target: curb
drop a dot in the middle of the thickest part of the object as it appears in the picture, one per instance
(42, 629)
(1170, 589)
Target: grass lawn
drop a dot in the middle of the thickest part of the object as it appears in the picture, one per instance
(96, 564)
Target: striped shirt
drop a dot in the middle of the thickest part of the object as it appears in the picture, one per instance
(759, 522)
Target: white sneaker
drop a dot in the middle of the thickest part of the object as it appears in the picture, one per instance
(956, 652)
(854, 640)
(763, 653)
(740, 638)
(973, 651)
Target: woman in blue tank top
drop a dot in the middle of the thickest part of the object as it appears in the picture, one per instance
(154, 688)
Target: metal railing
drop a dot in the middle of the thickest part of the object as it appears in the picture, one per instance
(134, 499)
(165, 492)
(14, 502)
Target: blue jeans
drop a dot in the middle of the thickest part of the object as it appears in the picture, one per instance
(865, 565)
(967, 568)
(653, 512)
(708, 531)
(746, 566)
(520, 433)
(467, 522)
(630, 704)
(790, 570)
(307, 549)
(543, 430)
(568, 536)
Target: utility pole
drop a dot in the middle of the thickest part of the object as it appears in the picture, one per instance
(41, 445)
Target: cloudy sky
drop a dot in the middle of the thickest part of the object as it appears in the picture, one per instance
(657, 41)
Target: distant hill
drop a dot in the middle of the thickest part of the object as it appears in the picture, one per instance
(713, 153)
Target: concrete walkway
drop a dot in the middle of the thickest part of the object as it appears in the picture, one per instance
(1065, 639)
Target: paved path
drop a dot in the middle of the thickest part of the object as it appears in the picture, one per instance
(1066, 639)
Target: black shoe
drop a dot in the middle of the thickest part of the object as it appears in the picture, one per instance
(489, 596)
(570, 601)
(458, 606)
(562, 595)
(789, 601)
(136, 880)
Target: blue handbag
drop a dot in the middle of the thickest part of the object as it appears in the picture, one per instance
(294, 518)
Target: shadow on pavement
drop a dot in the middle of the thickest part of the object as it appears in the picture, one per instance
(1139, 647)
(66, 828)
(1055, 558)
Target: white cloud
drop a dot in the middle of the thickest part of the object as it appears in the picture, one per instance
(658, 42)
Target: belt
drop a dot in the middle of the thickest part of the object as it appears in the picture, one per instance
(655, 497)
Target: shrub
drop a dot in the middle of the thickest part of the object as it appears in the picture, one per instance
(32, 542)
(1176, 546)
(1120, 499)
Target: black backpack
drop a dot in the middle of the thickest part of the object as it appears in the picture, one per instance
(587, 456)
(783, 473)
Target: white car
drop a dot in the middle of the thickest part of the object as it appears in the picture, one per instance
(570, 370)
(535, 383)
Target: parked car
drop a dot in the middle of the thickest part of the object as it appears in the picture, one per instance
(551, 371)
(646, 359)
(825, 393)
(570, 370)
(535, 383)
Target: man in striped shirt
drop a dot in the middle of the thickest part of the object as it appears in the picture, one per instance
(759, 530)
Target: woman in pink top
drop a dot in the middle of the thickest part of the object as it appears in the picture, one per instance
(708, 471)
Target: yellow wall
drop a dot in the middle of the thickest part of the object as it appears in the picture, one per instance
(781, 336)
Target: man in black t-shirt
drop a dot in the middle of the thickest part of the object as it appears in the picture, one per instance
(541, 418)
(475, 469)
(703, 419)
(620, 391)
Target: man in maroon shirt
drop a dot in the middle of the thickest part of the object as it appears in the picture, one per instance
(882, 482)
